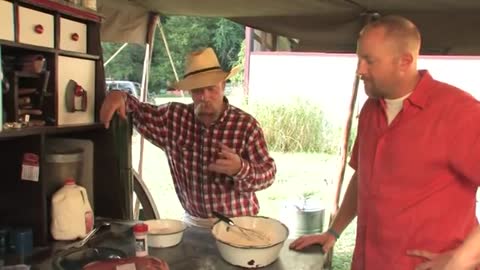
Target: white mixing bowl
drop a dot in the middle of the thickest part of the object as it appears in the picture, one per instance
(164, 233)
(250, 251)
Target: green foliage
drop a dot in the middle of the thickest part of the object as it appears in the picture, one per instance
(127, 65)
(183, 34)
(238, 78)
(297, 127)
(228, 41)
(343, 252)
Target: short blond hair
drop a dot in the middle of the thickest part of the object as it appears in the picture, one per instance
(401, 30)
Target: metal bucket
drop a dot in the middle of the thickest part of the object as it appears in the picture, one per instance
(61, 164)
(307, 219)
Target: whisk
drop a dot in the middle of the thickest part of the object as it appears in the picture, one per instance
(248, 233)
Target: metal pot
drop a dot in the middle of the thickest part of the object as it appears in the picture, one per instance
(305, 218)
(61, 164)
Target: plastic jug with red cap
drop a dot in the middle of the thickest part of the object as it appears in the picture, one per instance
(72, 215)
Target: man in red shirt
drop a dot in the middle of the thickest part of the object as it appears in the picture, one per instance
(415, 159)
(217, 153)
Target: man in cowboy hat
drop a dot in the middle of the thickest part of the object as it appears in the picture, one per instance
(217, 153)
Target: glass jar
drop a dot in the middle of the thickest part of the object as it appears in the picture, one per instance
(91, 4)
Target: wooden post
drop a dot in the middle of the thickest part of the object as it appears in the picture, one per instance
(143, 95)
(274, 42)
(344, 148)
(343, 163)
(248, 50)
(263, 41)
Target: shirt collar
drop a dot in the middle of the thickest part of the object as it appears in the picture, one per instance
(397, 102)
(225, 112)
(422, 91)
(420, 94)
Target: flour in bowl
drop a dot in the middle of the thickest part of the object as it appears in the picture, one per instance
(164, 230)
(236, 237)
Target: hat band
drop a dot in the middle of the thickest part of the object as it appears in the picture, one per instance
(200, 71)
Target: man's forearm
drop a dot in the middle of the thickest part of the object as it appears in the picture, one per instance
(348, 208)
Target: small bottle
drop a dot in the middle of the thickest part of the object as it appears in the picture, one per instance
(141, 246)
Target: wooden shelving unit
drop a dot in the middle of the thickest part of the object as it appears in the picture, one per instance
(26, 203)
(48, 50)
(47, 130)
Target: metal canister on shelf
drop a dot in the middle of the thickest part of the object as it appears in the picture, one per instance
(90, 4)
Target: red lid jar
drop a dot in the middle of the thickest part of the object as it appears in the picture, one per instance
(140, 228)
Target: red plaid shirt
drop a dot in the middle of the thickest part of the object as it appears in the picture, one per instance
(191, 146)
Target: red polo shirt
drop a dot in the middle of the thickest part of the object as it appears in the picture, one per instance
(417, 177)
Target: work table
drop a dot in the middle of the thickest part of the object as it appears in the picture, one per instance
(196, 251)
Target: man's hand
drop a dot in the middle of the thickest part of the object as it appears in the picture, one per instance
(114, 102)
(228, 163)
(325, 239)
(435, 261)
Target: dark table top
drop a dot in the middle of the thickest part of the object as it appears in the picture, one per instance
(198, 250)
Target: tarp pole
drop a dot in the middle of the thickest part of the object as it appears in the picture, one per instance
(115, 54)
(344, 149)
(344, 146)
(167, 49)
(343, 163)
(248, 52)
(144, 91)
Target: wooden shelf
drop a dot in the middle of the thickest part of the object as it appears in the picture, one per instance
(47, 130)
(24, 74)
(66, 8)
(26, 46)
(79, 55)
(47, 97)
(48, 50)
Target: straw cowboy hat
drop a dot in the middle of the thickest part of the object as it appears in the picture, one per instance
(203, 69)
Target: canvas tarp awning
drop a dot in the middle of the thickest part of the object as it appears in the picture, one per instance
(447, 26)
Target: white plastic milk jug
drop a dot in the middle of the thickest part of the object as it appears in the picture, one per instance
(72, 215)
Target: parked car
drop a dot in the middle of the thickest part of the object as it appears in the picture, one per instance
(130, 87)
